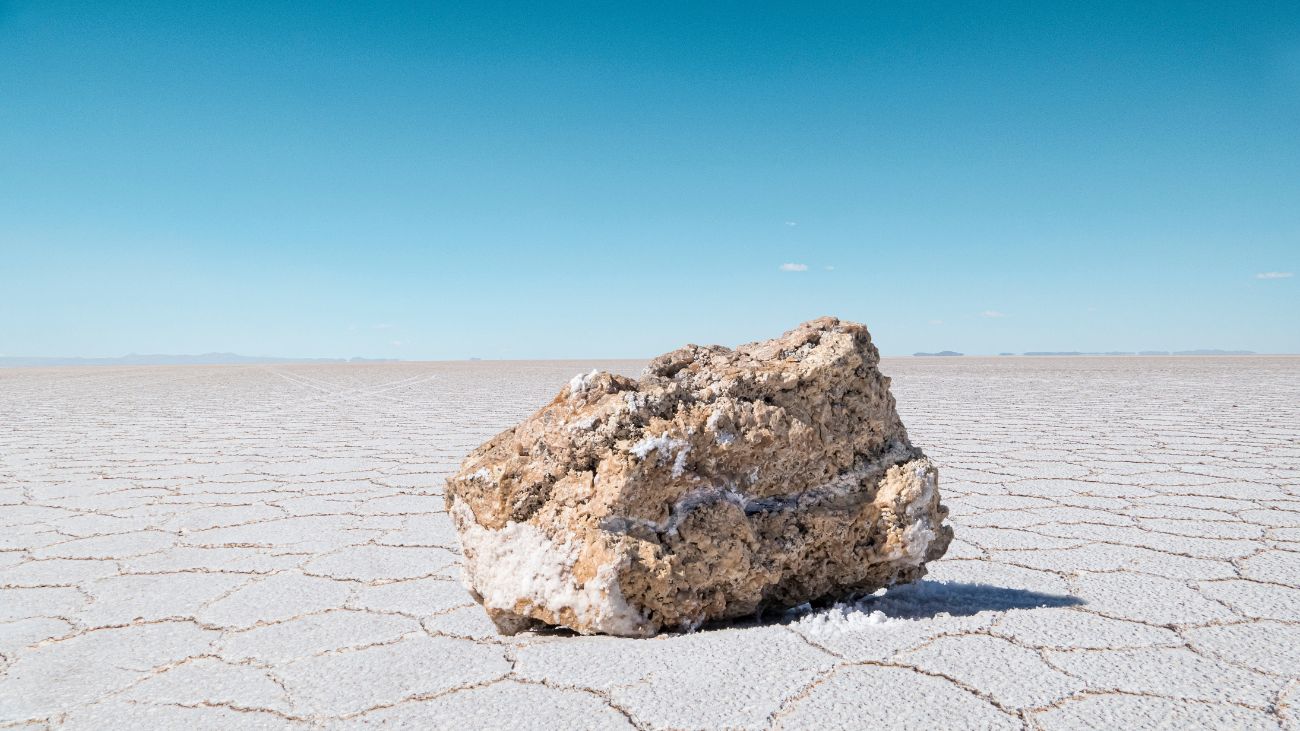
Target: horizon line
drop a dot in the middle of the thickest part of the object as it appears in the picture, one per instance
(160, 359)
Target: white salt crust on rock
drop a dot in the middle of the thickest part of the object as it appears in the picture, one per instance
(721, 483)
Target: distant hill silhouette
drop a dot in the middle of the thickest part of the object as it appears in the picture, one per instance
(166, 359)
(941, 352)
(1205, 351)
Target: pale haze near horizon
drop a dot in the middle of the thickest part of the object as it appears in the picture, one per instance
(497, 182)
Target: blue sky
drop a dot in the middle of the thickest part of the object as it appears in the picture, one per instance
(578, 180)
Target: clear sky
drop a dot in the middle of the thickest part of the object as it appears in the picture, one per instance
(446, 180)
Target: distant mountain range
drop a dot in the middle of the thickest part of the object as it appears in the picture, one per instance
(163, 359)
(1203, 351)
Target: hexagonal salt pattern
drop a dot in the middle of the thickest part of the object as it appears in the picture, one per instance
(266, 547)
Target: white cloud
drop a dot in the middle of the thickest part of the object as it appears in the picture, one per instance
(830, 269)
(384, 326)
(1274, 275)
(992, 313)
(397, 343)
(791, 267)
(792, 223)
(936, 322)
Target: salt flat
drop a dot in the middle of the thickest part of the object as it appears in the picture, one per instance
(264, 546)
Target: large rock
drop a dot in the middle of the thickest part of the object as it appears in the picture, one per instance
(720, 483)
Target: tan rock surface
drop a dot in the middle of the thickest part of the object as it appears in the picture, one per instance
(720, 483)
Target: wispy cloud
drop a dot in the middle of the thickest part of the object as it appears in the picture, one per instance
(992, 313)
(936, 322)
(830, 269)
(792, 223)
(791, 267)
(1274, 275)
(397, 343)
(384, 326)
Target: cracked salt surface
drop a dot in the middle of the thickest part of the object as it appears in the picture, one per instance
(266, 547)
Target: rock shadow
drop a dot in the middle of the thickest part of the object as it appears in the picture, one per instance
(919, 601)
(927, 599)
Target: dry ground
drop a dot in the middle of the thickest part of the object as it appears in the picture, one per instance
(248, 546)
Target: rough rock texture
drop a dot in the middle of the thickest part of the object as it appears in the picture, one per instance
(720, 483)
